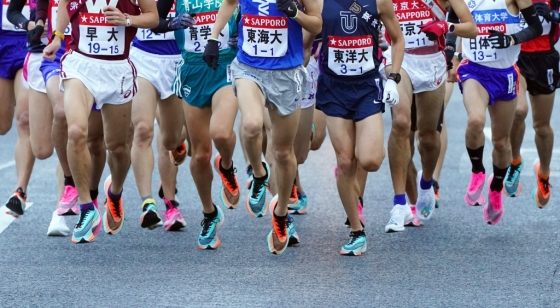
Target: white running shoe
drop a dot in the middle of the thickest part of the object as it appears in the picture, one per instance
(400, 216)
(426, 203)
(58, 226)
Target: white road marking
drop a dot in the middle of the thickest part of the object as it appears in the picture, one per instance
(8, 164)
(7, 219)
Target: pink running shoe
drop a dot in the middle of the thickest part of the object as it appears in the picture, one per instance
(68, 204)
(474, 195)
(173, 219)
(415, 222)
(494, 210)
(361, 212)
(98, 227)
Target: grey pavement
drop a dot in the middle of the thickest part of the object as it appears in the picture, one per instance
(454, 260)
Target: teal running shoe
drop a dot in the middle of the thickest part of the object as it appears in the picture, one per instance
(256, 202)
(83, 230)
(300, 207)
(208, 237)
(512, 186)
(356, 245)
(292, 233)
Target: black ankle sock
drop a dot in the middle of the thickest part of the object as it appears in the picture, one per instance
(476, 159)
(69, 181)
(213, 214)
(93, 194)
(498, 180)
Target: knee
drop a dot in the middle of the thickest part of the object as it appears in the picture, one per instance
(117, 148)
(346, 164)
(22, 120)
(542, 129)
(202, 155)
(77, 134)
(42, 152)
(428, 138)
(96, 146)
(221, 136)
(59, 114)
(283, 155)
(373, 162)
(301, 156)
(476, 122)
(520, 116)
(144, 132)
(170, 141)
(401, 124)
(5, 126)
(501, 145)
(252, 128)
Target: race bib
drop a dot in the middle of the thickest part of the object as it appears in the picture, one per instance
(197, 35)
(480, 47)
(6, 24)
(54, 18)
(148, 35)
(265, 36)
(411, 16)
(98, 37)
(351, 55)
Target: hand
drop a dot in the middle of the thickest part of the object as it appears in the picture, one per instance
(499, 40)
(287, 7)
(181, 21)
(452, 73)
(211, 53)
(114, 16)
(34, 35)
(434, 29)
(449, 52)
(544, 10)
(390, 93)
(49, 52)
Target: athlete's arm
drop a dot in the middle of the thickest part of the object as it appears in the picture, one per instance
(534, 27)
(389, 20)
(308, 39)
(466, 28)
(224, 14)
(311, 19)
(147, 20)
(62, 21)
(41, 11)
(16, 17)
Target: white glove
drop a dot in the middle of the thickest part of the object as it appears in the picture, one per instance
(390, 93)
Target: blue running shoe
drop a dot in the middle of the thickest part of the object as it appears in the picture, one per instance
(356, 244)
(83, 230)
(512, 186)
(208, 237)
(292, 233)
(299, 208)
(257, 202)
(249, 172)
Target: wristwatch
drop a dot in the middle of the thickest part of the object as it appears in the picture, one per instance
(451, 28)
(459, 56)
(396, 77)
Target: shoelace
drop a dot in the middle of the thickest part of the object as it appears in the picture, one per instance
(354, 235)
(117, 208)
(545, 185)
(281, 225)
(83, 215)
(514, 169)
(205, 223)
(258, 186)
(230, 178)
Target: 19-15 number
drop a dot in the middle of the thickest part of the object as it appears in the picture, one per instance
(96, 48)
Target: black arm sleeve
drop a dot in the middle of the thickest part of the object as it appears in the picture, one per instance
(451, 38)
(163, 7)
(534, 26)
(42, 9)
(15, 16)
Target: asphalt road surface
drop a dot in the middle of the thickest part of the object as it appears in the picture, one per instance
(454, 260)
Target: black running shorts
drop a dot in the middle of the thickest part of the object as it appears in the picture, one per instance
(540, 70)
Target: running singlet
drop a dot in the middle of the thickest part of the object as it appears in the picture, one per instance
(93, 36)
(549, 35)
(490, 15)
(350, 41)
(157, 43)
(192, 41)
(268, 39)
(411, 15)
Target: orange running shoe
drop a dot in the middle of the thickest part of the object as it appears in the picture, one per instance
(293, 196)
(230, 187)
(113, 218)
(278, 236)
(541, 193)
(179, 155)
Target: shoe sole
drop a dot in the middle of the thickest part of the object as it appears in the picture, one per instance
(516, 193)
(259, 214)
(106, 227)
(496, 220)
(149, 220)
(354, 253)
(176, 226)
(218, 241)
(223, 196)
(58, 233)
(84, 240)
(535, 199)
(69, 212)
(271, 245)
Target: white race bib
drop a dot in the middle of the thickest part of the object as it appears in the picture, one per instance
(410, 22)
(6, 24)
(265, 36)
(98, 37)
(351, 55)
(148, 35)
(54, 18)
(197, 35)
(480, 47)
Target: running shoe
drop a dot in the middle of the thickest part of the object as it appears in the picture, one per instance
(435, 186)
(426, 203)
(278, 238)
(356, 245)
(58, 226)
(512, 186)
(113, 217)
(179, 155)
(474, 195)
(150, 218)
(401, 215)
(256, 202)
(83, 230)
(249, 171)
(160, 192)
(16, 203)
(415, 222)
(541, 193)
(494, 210)
(294, 196)
(97, 228)
(300, 207)
(293, 236)
(68, 204)
(208, 237)
(174, 221)
(230, 188)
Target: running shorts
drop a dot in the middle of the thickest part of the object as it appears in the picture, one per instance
(33, 68)
(13, 53)
(196, 83)
(159, 70)
(51, 68)
(312, 76)
(109, 81)
(502, 84)
(540, 70)
(283, 89)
